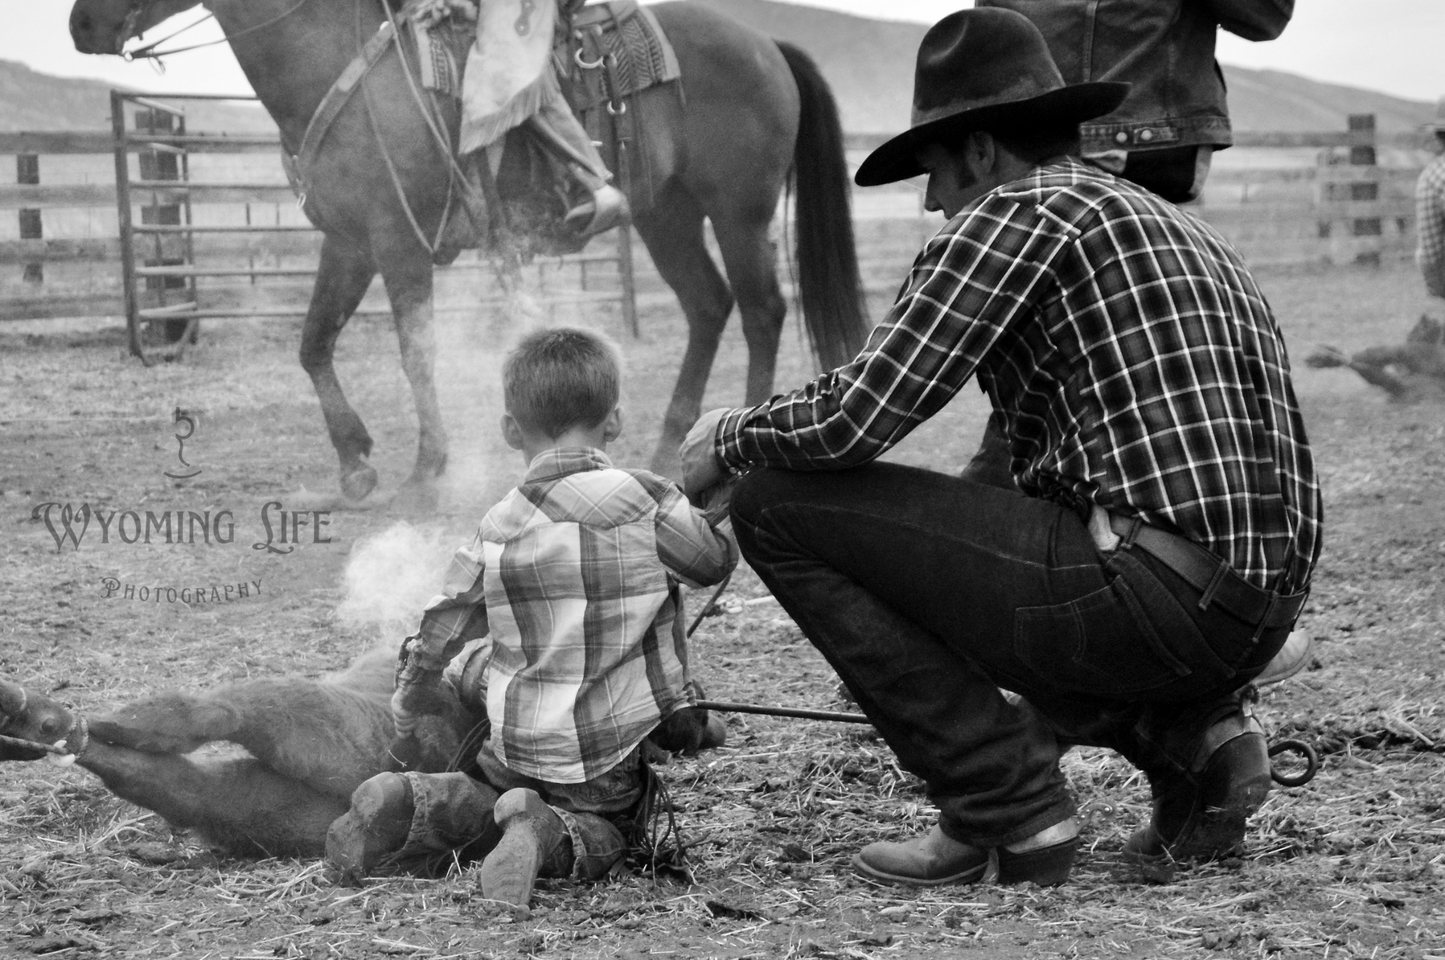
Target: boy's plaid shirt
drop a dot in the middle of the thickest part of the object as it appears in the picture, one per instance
(575, 575)
(1135, 362)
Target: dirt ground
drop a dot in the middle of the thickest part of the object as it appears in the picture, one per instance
(1352, 865)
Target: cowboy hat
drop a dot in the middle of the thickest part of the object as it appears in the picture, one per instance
(976, 67)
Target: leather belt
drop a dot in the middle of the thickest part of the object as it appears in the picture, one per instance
(1216, 582)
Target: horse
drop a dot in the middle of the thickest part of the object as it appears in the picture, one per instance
(1406, 373)
(757, 117)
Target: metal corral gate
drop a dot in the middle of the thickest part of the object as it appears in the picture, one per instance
(220, 236)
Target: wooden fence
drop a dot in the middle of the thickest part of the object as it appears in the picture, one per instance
(1309, 198)
(165, 226)
(1290, 198)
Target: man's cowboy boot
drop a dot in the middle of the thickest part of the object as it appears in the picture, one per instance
(936, 859)
(1293, 657)
(534, 843)
(376, 825)
(1201, 813)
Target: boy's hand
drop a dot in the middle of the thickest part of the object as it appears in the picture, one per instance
(690, 730)
(681, 731)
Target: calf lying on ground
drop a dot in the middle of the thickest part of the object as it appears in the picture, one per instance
(1405, 372)
(307, 745)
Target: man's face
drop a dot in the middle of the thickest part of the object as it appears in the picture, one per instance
(953, 181)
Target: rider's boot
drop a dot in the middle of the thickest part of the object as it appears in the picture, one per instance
(604, 206)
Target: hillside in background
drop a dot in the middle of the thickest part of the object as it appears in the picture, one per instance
(31, 101)
(869, 64)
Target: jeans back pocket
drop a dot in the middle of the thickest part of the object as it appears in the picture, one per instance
(1103, 644)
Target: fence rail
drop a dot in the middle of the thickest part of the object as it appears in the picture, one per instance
(61, 247)
(1334, 204)
(153, 222)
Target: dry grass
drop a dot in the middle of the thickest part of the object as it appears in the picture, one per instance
(1349, 866)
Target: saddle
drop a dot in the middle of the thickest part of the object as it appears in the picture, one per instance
(606, 56)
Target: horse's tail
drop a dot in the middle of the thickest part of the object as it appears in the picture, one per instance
(830, 289)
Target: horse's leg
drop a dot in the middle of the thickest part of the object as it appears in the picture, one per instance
(407, 272)
(341, 281)
(749, 258)
(674, 236)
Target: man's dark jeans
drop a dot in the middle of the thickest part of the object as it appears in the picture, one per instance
(928, 592)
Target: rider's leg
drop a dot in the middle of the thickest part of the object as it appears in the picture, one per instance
(559, 131)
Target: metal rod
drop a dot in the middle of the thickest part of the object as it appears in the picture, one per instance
(127, 239)
(723, 706)
(150, 140)
(246, 228)
(181, 186)
(155, 105)
(33, 745)
(188, 271)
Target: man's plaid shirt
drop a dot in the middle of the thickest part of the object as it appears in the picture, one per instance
(1430, 225)
(574, 576)
(1135, 363)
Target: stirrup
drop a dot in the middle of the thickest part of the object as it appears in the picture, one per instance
(603, 212)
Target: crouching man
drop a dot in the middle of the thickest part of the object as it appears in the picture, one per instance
(1152, 540)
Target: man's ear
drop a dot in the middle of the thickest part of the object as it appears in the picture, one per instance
(981, 154)
(612, 426)
(512, 432)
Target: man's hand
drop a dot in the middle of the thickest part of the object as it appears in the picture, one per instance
(701, 468)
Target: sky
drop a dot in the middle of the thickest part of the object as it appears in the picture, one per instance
(1390, 46)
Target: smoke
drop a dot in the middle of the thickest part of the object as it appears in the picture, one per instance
(390, 576)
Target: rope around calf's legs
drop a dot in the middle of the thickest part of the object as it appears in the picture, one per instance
(60, 752)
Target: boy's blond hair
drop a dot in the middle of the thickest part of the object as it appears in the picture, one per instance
(562, 377)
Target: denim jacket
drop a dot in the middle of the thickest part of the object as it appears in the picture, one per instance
(1164, 49)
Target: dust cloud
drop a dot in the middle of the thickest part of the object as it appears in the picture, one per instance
(390, 576)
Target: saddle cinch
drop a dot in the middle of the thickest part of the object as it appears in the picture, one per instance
(606, 55)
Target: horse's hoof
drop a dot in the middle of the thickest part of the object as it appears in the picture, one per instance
(359, 483)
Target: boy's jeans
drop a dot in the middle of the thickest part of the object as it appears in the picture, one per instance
(928, 592)
(452, 816)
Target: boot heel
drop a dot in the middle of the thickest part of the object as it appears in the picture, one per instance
(1047, 866)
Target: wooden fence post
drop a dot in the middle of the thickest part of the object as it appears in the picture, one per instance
(163, 210)
(161, 162)
(1362, 154)
(27, 171)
